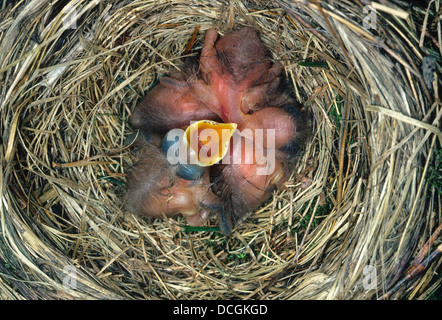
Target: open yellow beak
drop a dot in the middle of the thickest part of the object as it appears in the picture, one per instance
(208, 141)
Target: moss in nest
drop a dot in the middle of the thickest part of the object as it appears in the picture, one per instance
(434, 176)
(65, 99)
(336, 112)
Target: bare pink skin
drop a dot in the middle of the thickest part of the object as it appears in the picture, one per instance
(170, 104)
(154, 190)
(234, 94)
(248, 178)
(182, 197)
(236, 83)
(240, 94)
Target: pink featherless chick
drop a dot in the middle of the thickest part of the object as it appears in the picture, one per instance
(241, 85)
(236, 83)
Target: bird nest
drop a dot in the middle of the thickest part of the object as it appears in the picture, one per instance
(361, 207)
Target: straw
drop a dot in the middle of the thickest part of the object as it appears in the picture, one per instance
(362, 202)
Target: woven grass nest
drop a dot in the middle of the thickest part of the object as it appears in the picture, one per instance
(361, 210)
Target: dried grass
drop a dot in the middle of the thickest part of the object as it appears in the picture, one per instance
(65, 99)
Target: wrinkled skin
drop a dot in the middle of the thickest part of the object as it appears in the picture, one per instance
(236, 83)
(154, 190)
(170, 104)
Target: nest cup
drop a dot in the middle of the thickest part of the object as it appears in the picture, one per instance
(358, 207)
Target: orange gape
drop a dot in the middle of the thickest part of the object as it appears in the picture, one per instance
(209, 140)
(235, 83)
(155, 190)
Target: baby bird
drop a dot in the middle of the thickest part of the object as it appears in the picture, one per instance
(159, 189)
(235, 84)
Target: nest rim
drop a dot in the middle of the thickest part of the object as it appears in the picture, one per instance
(294, 245)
